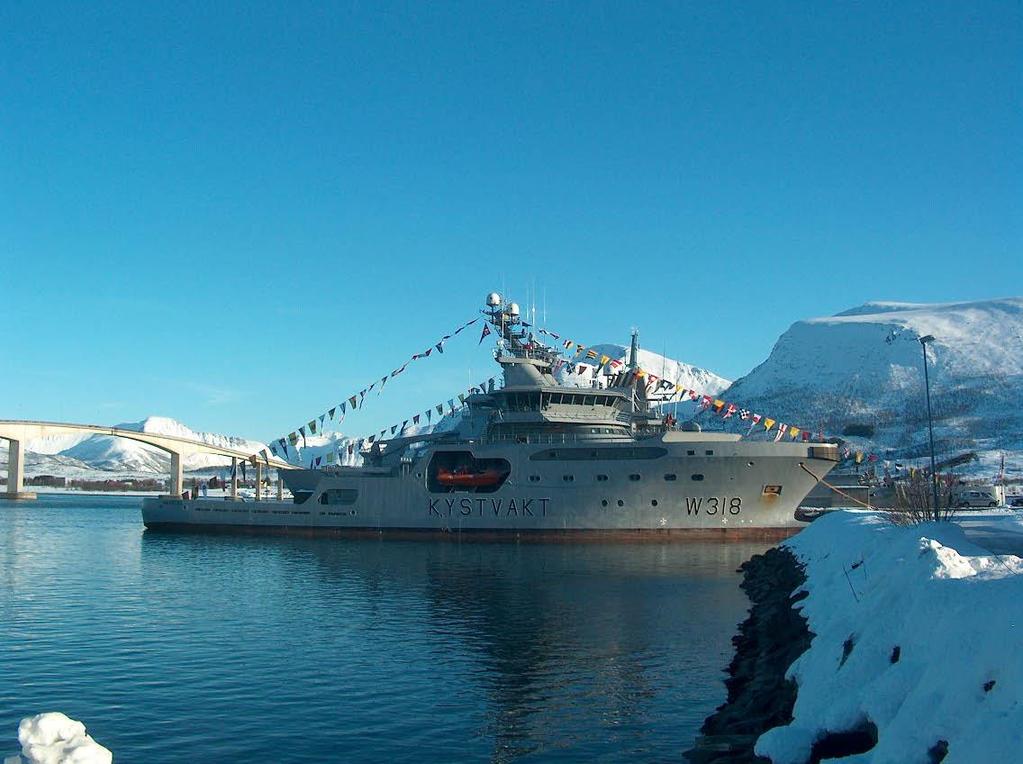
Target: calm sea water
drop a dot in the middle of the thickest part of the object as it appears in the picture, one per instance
(190, 648)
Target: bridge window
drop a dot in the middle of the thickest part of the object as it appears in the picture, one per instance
(534, 478)
(601, 478)
(709, 453)
(690, 453)
(568, 478)
(697, 477)
(670, 477)
(634, 476)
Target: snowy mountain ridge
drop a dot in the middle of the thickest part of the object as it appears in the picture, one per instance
(864, 368)
(77, 454)
(681, 373)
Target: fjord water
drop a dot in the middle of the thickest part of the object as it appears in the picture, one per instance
(223, 648)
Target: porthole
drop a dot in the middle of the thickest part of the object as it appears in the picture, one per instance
(709, 453)
(670, 477)
(653, 502)
(749, 464)
(568, 478)
(634, 477)
(690, 453)
(603, 502)
(534, 478)
(621, 503)
(601, 478)
(697, 476)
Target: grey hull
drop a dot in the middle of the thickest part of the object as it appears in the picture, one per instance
(741, 489)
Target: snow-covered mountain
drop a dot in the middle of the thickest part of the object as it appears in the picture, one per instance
(681, 373)
(84, 454)
(862, 370)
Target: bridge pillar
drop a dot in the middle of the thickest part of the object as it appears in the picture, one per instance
(176, 475)
(234, 477)
(259, 481)
(16, 472)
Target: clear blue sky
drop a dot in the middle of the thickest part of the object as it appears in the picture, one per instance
(238, 215)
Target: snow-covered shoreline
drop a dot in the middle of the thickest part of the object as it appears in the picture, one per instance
(915, 633)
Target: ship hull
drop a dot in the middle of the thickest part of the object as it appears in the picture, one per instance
(737, 490)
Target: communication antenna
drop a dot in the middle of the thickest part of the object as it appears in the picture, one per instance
(532, 316)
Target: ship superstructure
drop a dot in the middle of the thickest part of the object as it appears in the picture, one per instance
(536, 457)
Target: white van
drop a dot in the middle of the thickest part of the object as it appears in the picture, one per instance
(979, 496)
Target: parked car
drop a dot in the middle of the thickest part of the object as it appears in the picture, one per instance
(1016, 501)
(975, 498)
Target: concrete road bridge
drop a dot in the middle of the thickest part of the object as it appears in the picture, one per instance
(18, 433)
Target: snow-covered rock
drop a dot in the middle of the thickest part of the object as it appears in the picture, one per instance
(865, 367)
(53, 738)
(916, 630)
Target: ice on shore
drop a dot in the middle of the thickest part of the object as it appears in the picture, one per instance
(53, 738)
(916, 631)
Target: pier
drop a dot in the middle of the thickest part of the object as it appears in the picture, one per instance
(18, 433)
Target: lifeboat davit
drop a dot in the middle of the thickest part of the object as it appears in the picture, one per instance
(470, 479)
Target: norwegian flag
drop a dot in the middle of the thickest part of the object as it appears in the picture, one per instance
(729, 411)
(744, 414)
(693, 395)
(706, 402)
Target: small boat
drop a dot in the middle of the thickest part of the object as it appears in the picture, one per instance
(464, 478)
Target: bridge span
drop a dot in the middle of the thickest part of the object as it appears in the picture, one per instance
(17, 433)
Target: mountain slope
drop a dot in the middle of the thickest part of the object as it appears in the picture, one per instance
(109, 454)
(682, 373)
(864, 368)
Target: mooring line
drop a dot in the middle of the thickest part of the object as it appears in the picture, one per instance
(839, 491)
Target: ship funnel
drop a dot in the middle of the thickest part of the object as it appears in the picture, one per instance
(493, 299)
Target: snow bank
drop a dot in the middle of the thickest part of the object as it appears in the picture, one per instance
(916, 631)
(54, 738)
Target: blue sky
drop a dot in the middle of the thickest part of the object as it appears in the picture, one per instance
(239, 215)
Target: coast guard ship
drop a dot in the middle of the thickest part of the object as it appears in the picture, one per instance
(534, 458)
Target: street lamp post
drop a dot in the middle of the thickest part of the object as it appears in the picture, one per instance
(924, 341)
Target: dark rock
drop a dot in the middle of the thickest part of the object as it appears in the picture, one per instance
(769, 640)
(937, 752)
(836, 745)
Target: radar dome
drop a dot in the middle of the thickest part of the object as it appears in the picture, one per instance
(493, 299)
(513, 309)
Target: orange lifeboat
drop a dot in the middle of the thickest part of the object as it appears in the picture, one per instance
(463, 478)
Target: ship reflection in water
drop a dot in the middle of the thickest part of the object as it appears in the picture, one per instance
(477, 651)
(216, 648)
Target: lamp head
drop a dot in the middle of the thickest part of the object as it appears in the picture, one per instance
(927, 339)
